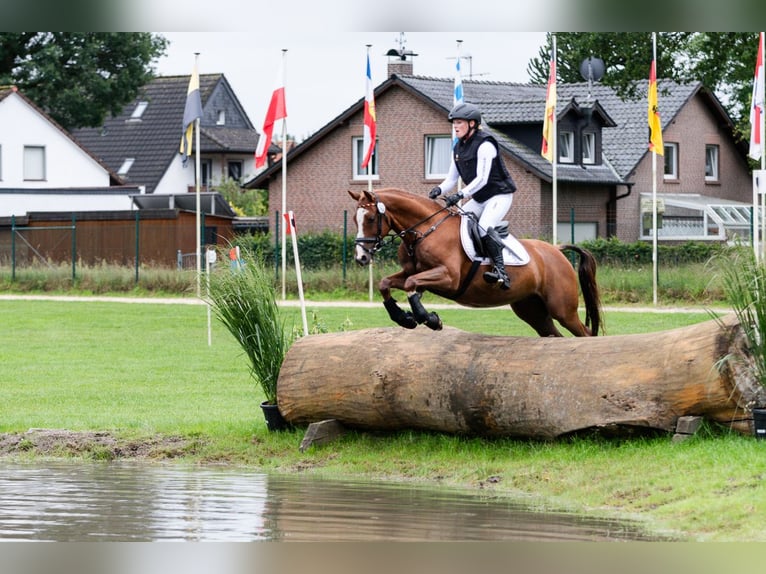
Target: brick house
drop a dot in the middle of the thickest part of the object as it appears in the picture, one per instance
(604, 169)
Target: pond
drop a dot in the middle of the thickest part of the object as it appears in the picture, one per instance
(124, 501)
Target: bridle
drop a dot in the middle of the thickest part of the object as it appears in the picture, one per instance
(378, 240)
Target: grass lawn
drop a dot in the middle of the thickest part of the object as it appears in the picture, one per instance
(143, 370)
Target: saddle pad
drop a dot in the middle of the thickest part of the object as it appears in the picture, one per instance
(513, 253)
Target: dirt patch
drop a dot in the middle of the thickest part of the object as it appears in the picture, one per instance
(94, 444)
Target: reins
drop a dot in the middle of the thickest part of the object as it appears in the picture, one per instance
(379, 240)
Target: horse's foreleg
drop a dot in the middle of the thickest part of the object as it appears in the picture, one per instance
(431, 320)
(397, 314)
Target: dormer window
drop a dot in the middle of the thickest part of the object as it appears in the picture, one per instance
(139, 110)
(588, 148)
(566, 147)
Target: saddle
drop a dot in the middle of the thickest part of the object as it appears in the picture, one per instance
(514, 252)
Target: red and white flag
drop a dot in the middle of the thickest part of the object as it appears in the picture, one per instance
(370, 119)
(756, 108)
(549, 120)
(277, 111)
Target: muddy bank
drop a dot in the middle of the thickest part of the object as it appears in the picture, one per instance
(98, 445)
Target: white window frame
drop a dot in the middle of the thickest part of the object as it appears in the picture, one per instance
(712, 155)
(139, 110)
(34, 163)
(1, 163)
(126, 165)
(566, 147)
(438, 156)
(589, 148)
(221, 119)
(357, 145)
(670, 170)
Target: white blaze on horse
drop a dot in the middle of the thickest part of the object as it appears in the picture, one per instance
(544, 284)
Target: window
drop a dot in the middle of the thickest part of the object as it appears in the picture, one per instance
(126, 165)
(566, 147)
(235, 170)
(34, 163)
(671, 161)
(1, 163)
(438, 156)
(206, 171)
(221, 119)
(358, 153)
(589, 148)
(139, 110)
(711, 162)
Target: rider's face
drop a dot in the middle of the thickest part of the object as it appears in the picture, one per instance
(462, 128)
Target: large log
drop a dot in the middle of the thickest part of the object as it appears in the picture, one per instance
(467, 383)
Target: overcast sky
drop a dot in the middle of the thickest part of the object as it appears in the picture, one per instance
(325, 72)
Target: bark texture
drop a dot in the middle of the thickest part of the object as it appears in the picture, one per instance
(466, 383)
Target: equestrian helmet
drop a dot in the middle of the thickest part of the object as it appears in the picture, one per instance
(465, 112)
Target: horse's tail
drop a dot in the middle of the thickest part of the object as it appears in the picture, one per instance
(586, 272)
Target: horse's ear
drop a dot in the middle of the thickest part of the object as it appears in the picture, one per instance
(369, 196)
(354, 194)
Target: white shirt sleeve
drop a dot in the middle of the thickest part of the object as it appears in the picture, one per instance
(451, 180)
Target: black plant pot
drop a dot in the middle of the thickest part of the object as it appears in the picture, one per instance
(759, 423)
(274, 419)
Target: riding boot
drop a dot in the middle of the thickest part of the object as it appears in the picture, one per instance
(494, 249)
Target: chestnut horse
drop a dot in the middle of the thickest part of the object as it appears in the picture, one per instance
(432, 259)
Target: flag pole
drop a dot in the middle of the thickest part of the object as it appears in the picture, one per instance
(554, 148)
(762, 49)
(284, 186)
(197, 191)
(654, 192)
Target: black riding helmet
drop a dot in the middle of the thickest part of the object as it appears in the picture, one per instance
(465, 112)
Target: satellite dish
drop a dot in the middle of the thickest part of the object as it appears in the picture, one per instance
(592, 69)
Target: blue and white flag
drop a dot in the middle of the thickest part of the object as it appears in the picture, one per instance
(457, 96)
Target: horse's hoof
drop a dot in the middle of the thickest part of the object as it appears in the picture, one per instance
(408, 322)
(434, 322)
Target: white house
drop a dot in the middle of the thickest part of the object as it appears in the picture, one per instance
(43, 168)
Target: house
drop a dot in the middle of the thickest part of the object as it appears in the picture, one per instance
(141, 144)
(604, 168)
(42, 167)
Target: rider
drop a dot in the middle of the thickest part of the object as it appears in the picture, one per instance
(489, 187)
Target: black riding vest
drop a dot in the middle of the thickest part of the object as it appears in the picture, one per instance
(499, 181)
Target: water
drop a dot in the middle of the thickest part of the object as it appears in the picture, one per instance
(76, 502)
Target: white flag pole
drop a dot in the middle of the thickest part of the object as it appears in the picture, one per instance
(654, 194)
(293, 234)
(196, 191)
(555, 150)
(284, 186)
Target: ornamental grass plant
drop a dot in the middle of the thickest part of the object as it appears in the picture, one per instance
(244, 300)
(744, 283)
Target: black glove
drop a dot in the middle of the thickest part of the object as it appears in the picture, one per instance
(434, 193)
(451, 200)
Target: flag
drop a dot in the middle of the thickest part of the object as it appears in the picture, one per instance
(655, 128)
(756, 108)
(192, 111)
(290, 223)
(369, 118)
(277, 111)
(550, 113)
(457, 94)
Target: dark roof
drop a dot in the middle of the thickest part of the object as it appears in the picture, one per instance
(625, 135)
(154, 139)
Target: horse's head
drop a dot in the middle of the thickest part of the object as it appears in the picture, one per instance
(371, 225)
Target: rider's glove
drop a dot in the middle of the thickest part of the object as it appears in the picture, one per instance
(434, 193)
(451, 200)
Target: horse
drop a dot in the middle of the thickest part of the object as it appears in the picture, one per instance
(432, 259)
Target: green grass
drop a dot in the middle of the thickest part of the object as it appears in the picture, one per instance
(143, 370)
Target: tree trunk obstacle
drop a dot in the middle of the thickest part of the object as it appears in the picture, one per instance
(473, 384)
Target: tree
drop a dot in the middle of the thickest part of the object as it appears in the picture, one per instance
(78, 78)
(723, 62)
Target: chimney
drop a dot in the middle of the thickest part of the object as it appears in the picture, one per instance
(398, 62)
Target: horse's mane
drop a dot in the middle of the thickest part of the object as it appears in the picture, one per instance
(408, 198)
